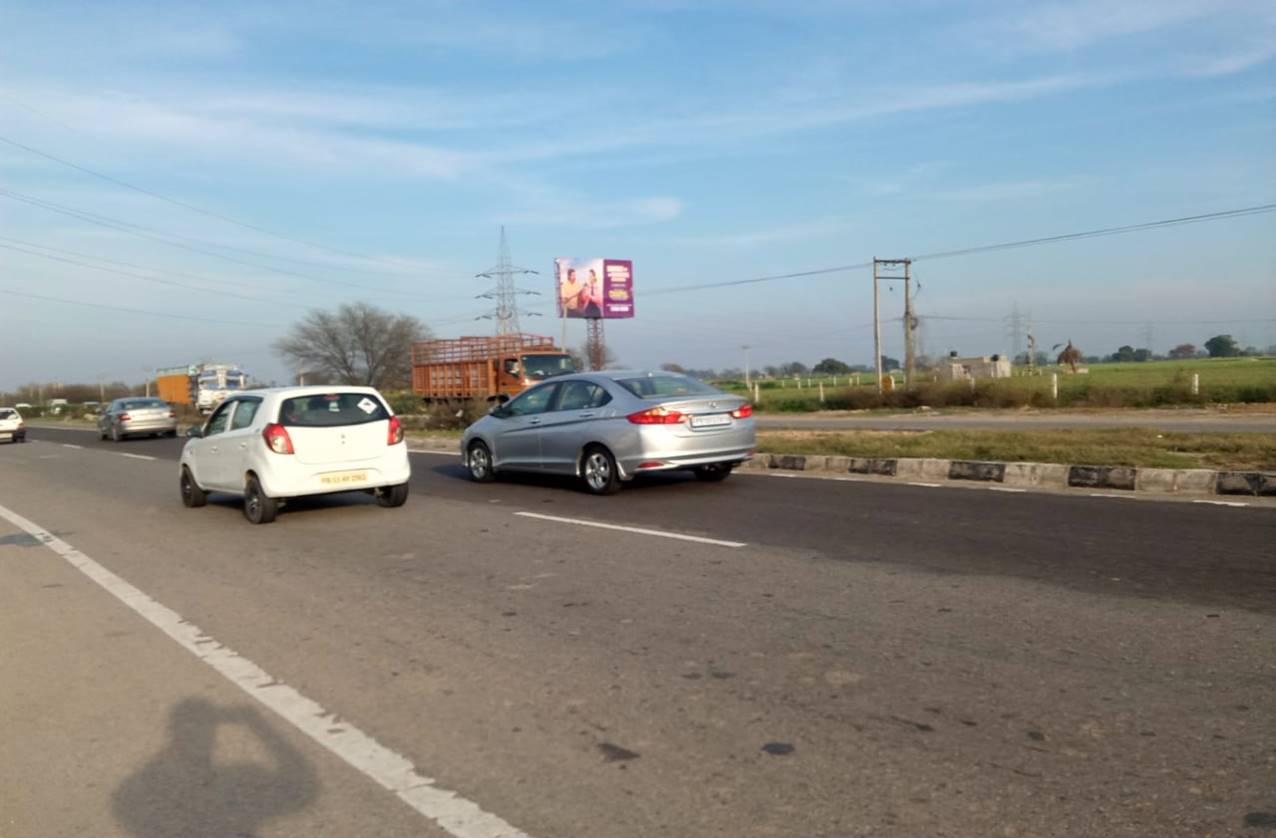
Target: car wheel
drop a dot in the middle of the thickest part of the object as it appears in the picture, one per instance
(116, 436)
(171, 433)
(715, 473)
(393, 496)
(101, 434)
(598, 469)
(259, 508)
(479, 461)
(192, 495)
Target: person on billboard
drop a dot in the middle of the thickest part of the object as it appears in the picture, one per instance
(571, 292)
(593, 296)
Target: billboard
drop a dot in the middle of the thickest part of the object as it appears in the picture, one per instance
(595, 287)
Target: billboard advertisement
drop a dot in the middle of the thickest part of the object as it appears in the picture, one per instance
(595, 287)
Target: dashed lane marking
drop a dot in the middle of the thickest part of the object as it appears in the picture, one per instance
(639, 530)
(133, 456)
(454, 814)
(69, 445)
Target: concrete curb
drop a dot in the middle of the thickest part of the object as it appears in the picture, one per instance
(1188, 481)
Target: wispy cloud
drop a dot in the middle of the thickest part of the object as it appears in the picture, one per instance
(801, 231)
(1082, 23)
(1006, 190)
(585, 212)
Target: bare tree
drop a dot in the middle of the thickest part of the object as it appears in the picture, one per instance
(356, 344)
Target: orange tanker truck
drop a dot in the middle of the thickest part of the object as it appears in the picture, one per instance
(489, 367)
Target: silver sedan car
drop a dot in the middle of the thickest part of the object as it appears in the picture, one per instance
(137, 415)
(608, 427)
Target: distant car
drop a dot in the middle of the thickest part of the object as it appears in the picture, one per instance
(273, 445)
(12, 428)
(608, 427)
(137, 415)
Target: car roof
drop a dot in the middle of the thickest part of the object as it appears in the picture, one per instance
(307, 390)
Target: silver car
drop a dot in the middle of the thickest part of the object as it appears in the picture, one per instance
(137, 415)
(608, 427)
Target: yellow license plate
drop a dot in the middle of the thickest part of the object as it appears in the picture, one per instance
(342, 478)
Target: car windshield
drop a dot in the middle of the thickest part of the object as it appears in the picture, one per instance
(543, 366)
(142, 404)
(665, 386)
(330, 410)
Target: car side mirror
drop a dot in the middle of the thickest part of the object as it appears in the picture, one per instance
(194, 432)
(499, 411)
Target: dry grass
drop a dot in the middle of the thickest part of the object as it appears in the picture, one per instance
(1127, 447)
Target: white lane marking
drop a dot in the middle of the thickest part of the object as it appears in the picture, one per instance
(1222, 502)
(69, 445)
(1006, 489)
(639, 530)
(133, 456)
(1110, 495)
(435, 453)
(456, 815)
(925, 485)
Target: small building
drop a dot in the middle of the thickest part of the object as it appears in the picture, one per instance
(953, 368)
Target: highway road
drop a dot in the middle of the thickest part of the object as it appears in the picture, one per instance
(1191, 421)
(763, 657)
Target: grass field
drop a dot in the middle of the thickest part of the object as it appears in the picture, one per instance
(1150, 384)
(1129, 447)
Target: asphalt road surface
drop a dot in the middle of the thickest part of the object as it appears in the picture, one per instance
(826, 659)
(1179, 421)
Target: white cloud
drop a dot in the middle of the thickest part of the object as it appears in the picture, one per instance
(1007, 190)
(801, 231)
(586, 212)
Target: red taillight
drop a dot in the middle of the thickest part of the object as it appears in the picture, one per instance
(744, 411)
(124, 417)
(172, 414)
(651, 464)
(396, 431)
(656, 416)
(277, 438)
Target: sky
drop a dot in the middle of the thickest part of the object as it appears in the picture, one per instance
(180, 182)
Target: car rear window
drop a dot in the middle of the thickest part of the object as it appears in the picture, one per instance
(666, 386)
(142, 404)
(8, 413)
(329, 410)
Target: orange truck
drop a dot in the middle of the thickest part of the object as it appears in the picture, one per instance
(489, 367)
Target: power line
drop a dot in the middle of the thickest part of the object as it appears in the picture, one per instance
(183, 204)
(987, 248)
(163, 314)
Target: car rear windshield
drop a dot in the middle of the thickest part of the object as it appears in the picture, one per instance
(667, 386)
(329, 410)
(142, 404)
(8, 413)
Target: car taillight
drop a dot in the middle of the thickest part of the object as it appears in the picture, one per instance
(124, 417)
(277, 438)
(744, 411)
(172, 414)
(396, 431)
(656, 416)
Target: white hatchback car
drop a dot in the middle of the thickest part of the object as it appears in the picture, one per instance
(271, 445)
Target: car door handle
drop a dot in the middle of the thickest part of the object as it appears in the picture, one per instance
(588, 415)
(533, 421)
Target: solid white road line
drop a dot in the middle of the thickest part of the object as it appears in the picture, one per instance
(456, 815)
(1222, 502)
(1007, 489)
(133, 456)
(925, 485)
(639, 530)
(69, 445)
(435, 453)
(1110, 495)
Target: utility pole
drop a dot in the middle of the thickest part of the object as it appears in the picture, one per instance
(1014, 330)
(886, 270)
(1032, 351)
(505, 293)
(746, 366)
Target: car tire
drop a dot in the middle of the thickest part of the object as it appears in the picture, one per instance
(193, 496)
(116, 436)
(478, 460)
(598, 471)
(171, 434)
(259, 508)
(713, 473)
(393, 496)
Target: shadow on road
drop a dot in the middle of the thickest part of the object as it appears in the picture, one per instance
(187, 790)
(458, 472)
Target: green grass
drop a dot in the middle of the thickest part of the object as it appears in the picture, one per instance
(1150, 384)
(1132, 447)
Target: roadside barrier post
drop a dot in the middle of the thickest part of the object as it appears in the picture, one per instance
(1054, 386)
(1196, 384)
(757, 393)
(821, 391)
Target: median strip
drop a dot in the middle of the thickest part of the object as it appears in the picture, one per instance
(639, 530)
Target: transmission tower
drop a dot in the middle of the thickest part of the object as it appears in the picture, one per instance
(1149, 335)
(1016, 322)
(506, 293)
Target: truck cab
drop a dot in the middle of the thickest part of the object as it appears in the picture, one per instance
(519, 372)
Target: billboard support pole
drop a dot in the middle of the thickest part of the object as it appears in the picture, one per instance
(877, 328)
(562, 309)
(595, 347)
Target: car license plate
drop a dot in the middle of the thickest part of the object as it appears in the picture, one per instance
(5, 436)
(343, 478)
(715, 420)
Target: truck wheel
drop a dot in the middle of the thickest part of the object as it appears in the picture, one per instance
(598, 468)
(192, 495)
(479, 461)
(258, 507)
(393, 496)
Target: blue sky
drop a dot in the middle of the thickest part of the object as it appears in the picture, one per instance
(707, 141)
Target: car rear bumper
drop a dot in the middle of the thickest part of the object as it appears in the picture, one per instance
(12, 434)
(283, 476)
(660, 450)
(148, 426)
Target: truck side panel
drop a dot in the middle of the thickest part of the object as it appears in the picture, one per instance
(174, 388)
